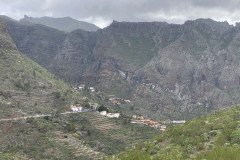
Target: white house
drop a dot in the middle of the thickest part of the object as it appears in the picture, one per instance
(163, 127)
(128, 101)
(111, 99)
(113, 115)
(77, 109)
(91, 89)
(179, 122)
(103, 113)
(81, 86)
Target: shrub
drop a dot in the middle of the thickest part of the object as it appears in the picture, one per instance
(70, 127)
(200, 146)
(30, 120)
(57, 95)
(160, 138)
(86, 104)
(221, 153)
(46, 118)
(235, 137)
(102, 108)
(214, 132)
(5, 94)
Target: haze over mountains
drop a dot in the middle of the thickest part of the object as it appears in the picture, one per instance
(66, 24)
(169, 70)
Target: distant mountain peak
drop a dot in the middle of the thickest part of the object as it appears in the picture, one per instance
(66, 24)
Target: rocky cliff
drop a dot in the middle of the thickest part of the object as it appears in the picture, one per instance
(166, 69)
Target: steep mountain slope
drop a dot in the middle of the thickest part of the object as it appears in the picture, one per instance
(211, 137)
(40, 43)
(27, 88)
(167, 70)
(66, 24)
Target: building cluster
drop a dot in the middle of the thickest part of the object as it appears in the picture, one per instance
(77, 108)
(81, 87)
(168, 121)
(116, 100)
(110, 115)
(91, 89)
(148, 122)
(157, 125)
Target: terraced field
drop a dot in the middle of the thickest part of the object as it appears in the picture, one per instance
(116, 129)
(79, 148)
(103, 123)
(80, 136)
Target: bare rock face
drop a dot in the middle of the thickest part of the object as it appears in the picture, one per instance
(166, 69)
(5, 40)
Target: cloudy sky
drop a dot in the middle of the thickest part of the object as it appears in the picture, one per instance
(102, 12)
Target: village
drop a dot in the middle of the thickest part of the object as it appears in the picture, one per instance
(136, 120)
(78, 108)
(162, 125)
(112, 98)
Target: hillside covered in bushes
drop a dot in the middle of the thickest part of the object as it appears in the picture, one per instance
(212, 137)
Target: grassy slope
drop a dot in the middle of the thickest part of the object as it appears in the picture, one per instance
(25, 87)
(76, 136)
(211, 137)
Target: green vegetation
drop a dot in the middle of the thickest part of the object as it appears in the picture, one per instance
(27, 88)
(5, 156)
(73, 136)
(211, 137)
(102, 108)
(136, 51)
(221, 153)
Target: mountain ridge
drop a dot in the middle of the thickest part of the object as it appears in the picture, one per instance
(168, 70)
(66, 24)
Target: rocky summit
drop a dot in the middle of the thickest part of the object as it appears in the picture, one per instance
(167, 70)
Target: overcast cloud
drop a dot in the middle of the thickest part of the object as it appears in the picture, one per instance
(102, 12)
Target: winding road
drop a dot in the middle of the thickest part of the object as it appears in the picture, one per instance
(40, 115)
